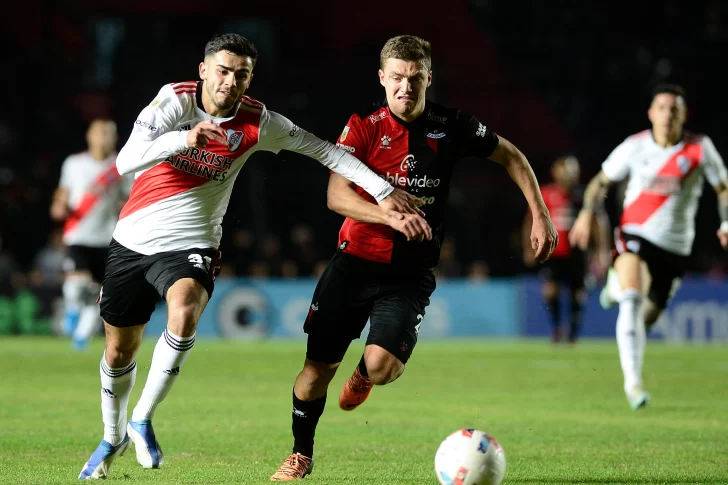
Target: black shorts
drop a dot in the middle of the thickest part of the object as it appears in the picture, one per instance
(666, 268)
(570, 270)
(86, 258)
(353, 290)
(134, 282)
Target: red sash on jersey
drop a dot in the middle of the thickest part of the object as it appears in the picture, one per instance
(681, 165)
(103, 182)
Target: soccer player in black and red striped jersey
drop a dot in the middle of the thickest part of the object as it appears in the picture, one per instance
(378, 274)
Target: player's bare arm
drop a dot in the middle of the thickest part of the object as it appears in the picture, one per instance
(595, 192)
(526, 240)
(343, 199)
(543, 232)
(721, 191)
(59, 206)
(602, 241)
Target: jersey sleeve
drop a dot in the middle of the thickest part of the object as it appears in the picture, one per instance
(715, 171)
(616, 166)
(153, 137)
(474, 138)
(278, 133)
(66, 175)
(353, 138)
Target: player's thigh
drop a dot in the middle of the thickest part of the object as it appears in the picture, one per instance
(339, 310)
(397, 314)
(186, 300)
(126, 298)
(170, 267)
(666, 271)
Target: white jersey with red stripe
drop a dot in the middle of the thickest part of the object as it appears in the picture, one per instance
(94, 192)
(180, 194)
(664, 186)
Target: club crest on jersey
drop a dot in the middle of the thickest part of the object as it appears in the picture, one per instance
(683, 163)
(234, 137)
(344, 133)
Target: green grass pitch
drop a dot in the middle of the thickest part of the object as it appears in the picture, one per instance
(558, 412)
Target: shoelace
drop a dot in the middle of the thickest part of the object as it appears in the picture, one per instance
(295, 464)
(359, 383)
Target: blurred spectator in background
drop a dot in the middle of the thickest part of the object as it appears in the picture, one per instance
(49, 262)
(303, 251)
(449, 265)
(11, 279)
(478, 272)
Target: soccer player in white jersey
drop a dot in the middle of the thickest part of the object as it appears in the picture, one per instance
(666, 166)
(186, 149)
(87, 201)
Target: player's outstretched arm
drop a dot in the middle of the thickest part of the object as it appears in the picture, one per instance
(581, 231)
(543, 232)
(343, 199)
(59, 206)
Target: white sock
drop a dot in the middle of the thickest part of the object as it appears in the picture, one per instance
(116, 386)
(631, 337)
(73, 288)
(169, 355)
(88, 323)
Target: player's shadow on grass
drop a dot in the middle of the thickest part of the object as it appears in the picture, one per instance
(712, 481)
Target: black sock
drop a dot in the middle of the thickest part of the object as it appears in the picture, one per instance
(577, 309)
(555, 311)
(363, 367)
(306, 416)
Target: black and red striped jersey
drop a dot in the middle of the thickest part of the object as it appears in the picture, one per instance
(418, 157)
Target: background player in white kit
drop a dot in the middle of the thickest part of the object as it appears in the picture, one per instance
(87, 201)
(665, 166)
(187, 147)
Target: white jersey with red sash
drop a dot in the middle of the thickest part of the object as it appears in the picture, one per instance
(664, 186)
(94, 191)
(179, 202)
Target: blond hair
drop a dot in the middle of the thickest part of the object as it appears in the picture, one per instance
(407, 48)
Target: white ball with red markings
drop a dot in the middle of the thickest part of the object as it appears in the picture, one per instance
(470, 457)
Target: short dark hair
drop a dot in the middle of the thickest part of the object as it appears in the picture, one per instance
(408, 48)
(667, 88)
(235, 43)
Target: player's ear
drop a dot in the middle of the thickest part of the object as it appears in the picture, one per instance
(203, 71)
(429, 79)
(381, 77)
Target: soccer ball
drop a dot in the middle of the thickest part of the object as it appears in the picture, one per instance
(470, 457)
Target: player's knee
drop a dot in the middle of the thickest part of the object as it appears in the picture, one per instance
(316, 372)
(550, 291)
(384, 371)
(182, 319)
(120, 353)
(578, 296)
